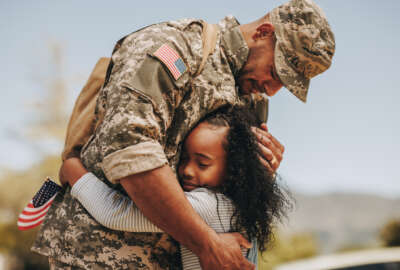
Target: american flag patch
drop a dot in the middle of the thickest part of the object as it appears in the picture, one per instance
(172, 60)
(34, 213)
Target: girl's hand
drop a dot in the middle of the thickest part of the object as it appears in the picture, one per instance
(71, 171)
(271, 149)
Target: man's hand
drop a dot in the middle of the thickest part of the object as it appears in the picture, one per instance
(227, 255)
(271, 149)
(71, 171)
(159, 196)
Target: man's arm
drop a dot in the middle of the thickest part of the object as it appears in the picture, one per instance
(214, 250)
(140, 103)
(117, 211)
(181, 221)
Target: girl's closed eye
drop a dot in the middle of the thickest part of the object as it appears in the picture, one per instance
(203, 165)
(203, 160)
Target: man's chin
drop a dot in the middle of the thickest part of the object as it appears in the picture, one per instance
(243, 91)
(249, 88)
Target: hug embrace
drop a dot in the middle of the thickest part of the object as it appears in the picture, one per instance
(223, 179)
(175, 161)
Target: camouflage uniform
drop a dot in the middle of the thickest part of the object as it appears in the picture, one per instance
(147, 114)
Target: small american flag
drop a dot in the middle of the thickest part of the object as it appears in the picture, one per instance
(172, 60)
(34, 213)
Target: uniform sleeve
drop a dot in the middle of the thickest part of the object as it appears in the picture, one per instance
(139, 110)
(151, 73)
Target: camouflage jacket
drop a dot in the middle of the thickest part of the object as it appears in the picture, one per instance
(147, 112)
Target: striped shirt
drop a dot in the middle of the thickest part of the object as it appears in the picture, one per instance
(118, 212)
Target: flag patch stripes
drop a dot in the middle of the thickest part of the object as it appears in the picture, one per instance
(171, 60)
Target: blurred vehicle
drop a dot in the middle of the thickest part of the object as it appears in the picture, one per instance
(377, 259)
(2, 262)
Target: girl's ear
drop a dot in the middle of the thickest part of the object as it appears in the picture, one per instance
(263, 31)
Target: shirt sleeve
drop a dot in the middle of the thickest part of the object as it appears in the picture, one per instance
(109, 207)
(150, 74)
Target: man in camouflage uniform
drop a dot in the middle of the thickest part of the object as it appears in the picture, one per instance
(148, 106)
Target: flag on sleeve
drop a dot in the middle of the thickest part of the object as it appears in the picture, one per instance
(34, 213)
(171, 60)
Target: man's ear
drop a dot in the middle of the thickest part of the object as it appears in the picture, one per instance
(263, 31)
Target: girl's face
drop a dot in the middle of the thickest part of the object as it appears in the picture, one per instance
(203, 157)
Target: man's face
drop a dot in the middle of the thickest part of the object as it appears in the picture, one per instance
(259, 74)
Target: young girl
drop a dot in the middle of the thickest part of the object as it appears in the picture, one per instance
(221, 174)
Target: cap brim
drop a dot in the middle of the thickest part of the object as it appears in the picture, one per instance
(291, 79)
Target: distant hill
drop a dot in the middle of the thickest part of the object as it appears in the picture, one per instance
(342, 219)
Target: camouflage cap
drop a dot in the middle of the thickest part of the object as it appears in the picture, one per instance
(305, 44)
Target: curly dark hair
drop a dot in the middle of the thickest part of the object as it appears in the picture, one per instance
(258, 198)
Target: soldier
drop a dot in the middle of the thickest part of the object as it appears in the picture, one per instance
(156, 90)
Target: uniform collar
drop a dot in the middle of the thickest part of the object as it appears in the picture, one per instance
(233, 44)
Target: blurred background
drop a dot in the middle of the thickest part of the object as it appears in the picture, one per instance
(342, 154)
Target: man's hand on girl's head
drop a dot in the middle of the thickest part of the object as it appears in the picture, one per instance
(271, 149)
(71, 171)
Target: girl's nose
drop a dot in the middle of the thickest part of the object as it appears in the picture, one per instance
(187, 172)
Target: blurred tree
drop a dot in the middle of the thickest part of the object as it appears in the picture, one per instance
(16, 245)
(18, 187)
(51, 111)
(288, 248)
(16, 190)
(390, 233)
(353, 247)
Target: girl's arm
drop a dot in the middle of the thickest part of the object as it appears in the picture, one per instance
(116, 211)
(109, 207)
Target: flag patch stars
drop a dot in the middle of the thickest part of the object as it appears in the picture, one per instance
(171, 60)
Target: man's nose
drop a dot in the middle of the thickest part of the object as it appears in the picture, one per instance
(273, 87)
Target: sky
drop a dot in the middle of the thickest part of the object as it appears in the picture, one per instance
(344, 139)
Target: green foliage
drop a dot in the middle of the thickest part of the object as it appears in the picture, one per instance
(16, 244)
(18, 187)
(51, 111)
(390, 233)
(353, 247)
(285, 249)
